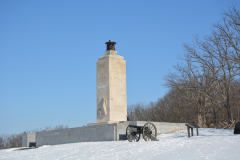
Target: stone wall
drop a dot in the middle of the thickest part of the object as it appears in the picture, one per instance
(28, 138)
(72, 135)
(105, 132)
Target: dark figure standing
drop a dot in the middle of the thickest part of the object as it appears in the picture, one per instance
(237, 128)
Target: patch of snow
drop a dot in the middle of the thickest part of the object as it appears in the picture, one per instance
(210, 144)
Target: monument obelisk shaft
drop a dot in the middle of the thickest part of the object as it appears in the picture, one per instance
(111, 86)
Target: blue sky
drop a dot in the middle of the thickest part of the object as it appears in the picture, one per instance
(49, 50)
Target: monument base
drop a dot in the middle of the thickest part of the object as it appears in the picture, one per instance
(94, 132)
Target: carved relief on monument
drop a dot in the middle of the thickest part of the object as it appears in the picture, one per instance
(102, 107)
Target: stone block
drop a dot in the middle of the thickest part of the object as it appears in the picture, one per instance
(28, 138)
(111, 88)
(110, 52)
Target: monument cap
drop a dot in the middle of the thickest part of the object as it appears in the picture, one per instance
(110, 45)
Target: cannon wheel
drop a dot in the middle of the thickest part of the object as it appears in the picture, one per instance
(132, 134)
(149, 132)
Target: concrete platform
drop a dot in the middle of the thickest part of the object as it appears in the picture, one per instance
(102, 123)
(94, 133)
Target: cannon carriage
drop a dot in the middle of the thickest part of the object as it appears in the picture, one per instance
(148, 131)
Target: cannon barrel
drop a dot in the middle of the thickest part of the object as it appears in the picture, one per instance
(134, 126)
(148, 131)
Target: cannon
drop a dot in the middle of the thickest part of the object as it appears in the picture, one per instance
(148, 131)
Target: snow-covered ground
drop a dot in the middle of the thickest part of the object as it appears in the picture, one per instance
(210, 144)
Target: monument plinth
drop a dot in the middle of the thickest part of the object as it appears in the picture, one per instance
(111, 87)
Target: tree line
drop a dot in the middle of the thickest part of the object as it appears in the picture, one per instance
(204, 87)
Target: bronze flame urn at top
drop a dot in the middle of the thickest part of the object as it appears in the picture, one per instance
(110, 45)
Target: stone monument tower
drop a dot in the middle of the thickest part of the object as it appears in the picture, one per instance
(111, 86)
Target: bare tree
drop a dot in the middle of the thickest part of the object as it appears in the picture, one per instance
(207, 86)
(59, 127)
(230, 33)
